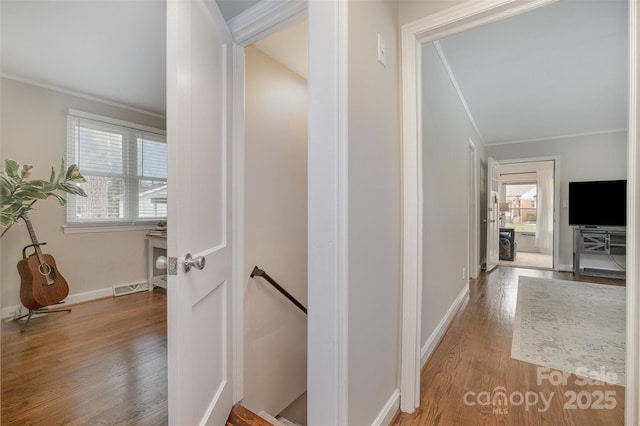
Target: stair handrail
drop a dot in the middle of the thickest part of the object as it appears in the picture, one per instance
(257, 272)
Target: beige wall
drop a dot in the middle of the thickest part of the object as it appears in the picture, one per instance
(374, 210)
(275, 331)
(34, 131)
(595, 157)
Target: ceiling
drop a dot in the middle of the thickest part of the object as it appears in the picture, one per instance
(113, 50)
(231, 8)
(558, 70)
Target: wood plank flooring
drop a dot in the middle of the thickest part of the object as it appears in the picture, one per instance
(241, 416)
(474, 356)
(105, 363)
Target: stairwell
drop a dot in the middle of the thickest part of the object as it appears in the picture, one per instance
(241, 416)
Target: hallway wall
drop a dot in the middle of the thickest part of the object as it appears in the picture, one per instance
(374, 211)
(446, 133)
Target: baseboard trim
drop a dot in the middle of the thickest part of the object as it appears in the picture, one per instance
(565, 268)
(389, 410)
(72, 299)
(442, 327)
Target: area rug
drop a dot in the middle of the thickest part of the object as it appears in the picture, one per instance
(571, 326)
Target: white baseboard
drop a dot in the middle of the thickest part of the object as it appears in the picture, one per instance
(439, 331)
(389, 410)
(10, 311)
(474, 274)
(72, 299)
(565, 268)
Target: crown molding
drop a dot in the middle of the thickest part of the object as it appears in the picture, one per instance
(265, 18)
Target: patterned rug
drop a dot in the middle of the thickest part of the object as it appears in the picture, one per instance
(571, 326)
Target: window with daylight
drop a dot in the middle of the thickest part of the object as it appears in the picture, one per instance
(522, 214)
(125, 166)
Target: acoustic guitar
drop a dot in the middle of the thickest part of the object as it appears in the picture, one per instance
(41, 283)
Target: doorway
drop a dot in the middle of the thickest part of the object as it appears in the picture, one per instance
(275, 224)
(432, 28)
(527, 194)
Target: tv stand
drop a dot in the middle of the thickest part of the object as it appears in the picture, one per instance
(600, 245)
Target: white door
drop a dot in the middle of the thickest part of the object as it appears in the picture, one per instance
(493, 249)
(199, 219)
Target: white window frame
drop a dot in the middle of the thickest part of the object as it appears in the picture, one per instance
(72, 226)
(526, 181)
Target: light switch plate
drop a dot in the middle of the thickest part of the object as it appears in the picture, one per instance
(382, 51)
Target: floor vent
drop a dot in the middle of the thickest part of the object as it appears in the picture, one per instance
(122, 289)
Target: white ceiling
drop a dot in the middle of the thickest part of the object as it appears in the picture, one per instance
(558, 70)
(114, 50)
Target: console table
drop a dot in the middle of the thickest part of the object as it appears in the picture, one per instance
(156, 246)
(605, 243)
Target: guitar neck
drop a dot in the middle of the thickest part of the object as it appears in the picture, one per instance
(34, 240)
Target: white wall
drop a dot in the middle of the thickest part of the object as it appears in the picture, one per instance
(34, 131)
(446, 132)
(374, 210)
(275, 331)
(593, 157)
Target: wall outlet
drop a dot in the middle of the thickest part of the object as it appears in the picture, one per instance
(464, 273)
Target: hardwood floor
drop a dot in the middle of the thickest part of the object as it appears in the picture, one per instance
(240, 416)
(474, 357)
(104, 363)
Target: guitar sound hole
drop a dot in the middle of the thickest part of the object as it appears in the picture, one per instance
(44, 269)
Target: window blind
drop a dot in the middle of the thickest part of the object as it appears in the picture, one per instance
(125, 166)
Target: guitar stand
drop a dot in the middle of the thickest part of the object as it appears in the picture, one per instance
(33, 312)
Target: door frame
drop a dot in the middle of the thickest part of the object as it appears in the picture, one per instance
(327, 195)
(492, 221)
(556, 199)
(452, 20)
(253, 24)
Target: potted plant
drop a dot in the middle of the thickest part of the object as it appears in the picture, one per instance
(18, 193)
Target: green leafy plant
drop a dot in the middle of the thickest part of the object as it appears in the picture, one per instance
(18, 193)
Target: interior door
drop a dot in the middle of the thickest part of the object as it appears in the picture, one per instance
(199, 221)
(492, 221)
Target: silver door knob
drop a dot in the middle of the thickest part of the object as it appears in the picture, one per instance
(191, 262)
(161, 262)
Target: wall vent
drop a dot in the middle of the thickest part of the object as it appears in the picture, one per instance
(122, 289)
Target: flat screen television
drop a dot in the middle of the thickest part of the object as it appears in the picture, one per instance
(598, 203)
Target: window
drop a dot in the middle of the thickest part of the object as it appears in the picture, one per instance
(522, 214)
(125, 166)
